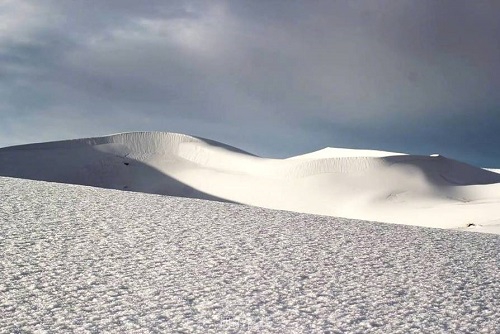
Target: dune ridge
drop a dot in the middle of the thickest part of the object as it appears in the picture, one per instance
(392, 187)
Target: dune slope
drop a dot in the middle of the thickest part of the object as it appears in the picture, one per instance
(89, 260)
(384, 186)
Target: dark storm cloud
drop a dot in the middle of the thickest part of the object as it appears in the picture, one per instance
(403, 75)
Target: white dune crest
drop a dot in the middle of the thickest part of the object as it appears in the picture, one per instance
(333, 152)
(493, 170)
(391, 187)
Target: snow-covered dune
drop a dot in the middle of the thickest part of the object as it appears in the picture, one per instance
(384, 186)
(123, 161)
(78, 259)
(493, 170)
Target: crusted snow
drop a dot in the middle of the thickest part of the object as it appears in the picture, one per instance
(88, 260)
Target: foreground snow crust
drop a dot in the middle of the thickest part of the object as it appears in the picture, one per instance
(83, 259)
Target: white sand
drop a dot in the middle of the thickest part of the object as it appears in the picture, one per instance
(431, 191)
(78, 259)
(333, 152)
(493, 170)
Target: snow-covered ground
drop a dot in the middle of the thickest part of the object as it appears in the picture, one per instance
(84, 259)
(432, 191)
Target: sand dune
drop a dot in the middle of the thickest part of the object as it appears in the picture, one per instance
(493, 170)
(78, 259)
(432, 191)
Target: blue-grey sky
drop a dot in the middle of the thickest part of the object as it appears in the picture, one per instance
(277, 78)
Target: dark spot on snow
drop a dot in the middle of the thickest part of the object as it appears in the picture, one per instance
(126, 163)
(471, 224)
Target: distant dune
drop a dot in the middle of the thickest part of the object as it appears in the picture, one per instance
(432, 191)
(493, 170)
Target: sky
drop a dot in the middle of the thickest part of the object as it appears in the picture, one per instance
(276, 78)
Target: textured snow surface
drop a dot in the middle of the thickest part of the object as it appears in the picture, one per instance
(83, 259)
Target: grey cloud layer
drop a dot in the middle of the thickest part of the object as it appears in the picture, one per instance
(339, 73)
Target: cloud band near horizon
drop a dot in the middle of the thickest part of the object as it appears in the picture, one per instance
(273, 77)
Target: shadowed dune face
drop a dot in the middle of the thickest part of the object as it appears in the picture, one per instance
(99, 162)
(372, 185)
(442, 171)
